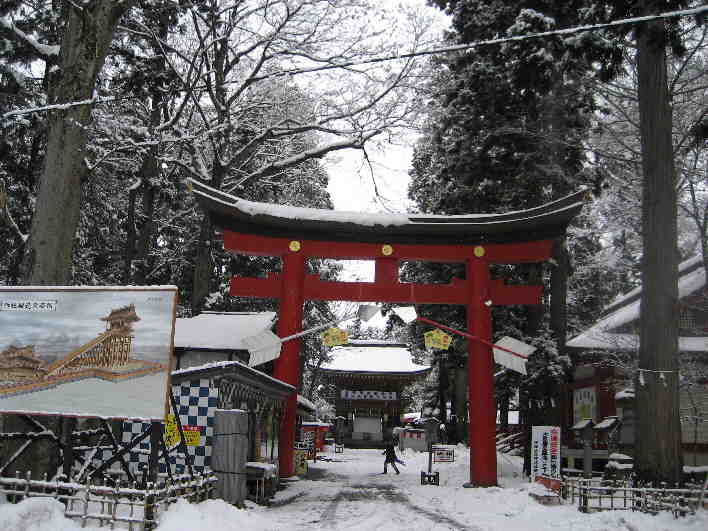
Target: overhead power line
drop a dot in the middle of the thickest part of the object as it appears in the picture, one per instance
(476, 44)
(697, 12)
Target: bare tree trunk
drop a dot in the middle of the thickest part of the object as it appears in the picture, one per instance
(202, 266)
(88, 32)
(147, 231)
(130, 237)
(658, 438)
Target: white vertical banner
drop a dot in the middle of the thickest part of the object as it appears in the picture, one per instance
(545, 451)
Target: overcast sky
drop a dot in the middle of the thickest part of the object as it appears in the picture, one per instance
(351, 178)
(77, 320)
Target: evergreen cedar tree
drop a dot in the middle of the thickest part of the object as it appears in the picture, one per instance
(506, 131)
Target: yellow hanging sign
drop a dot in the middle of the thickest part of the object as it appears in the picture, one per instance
(334, 336)
(437, 339)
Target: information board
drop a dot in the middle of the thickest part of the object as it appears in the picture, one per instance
(86, 351)
(443, 454)
(545, 451)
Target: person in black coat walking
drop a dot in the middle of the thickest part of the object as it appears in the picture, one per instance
(390, 453)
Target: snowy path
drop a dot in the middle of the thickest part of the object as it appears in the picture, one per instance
(350, 492)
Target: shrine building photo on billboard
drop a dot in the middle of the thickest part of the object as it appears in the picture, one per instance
(86, 351)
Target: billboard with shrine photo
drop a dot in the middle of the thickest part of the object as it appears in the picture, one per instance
(86, 351)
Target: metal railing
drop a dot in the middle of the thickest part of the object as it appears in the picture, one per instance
(116, 505)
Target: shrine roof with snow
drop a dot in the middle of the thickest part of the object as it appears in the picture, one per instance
(625, 309)
(380, 358)
(240, 215)
(220, 331)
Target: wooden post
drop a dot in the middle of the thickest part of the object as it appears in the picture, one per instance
(483, 455)
(287, 366)
(67, 429)
(153, 464)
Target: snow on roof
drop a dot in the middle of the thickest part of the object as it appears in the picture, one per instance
(616, 456)
(607, 423)
(624, 394)
(361, 358)
(307, 404)
(687, 268)
(625, 309)
(226, 365)
(297, 213)
(94, 397)
(582, 424)
(235, 213)
(220, 331)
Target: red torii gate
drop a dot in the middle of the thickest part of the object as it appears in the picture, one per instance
(297, 234)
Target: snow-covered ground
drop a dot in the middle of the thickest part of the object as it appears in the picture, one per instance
(349, 492)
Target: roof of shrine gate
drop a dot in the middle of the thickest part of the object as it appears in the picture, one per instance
(373, 362)
(240, 215)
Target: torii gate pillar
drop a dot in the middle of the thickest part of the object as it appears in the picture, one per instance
(482, 408)
(287, 366)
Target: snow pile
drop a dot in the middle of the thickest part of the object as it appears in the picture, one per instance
(47, 514)
(37, 514)
(347, 491)
(540, 490)
(213, 515)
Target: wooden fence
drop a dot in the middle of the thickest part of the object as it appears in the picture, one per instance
(115, 505)
(594, 495)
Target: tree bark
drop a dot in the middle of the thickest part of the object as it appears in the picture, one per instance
(140, 243)
(87, 35)
(130, 237)
(559, 294)
(442, 386)
(202, 266)
(658, 438)
(503, 408)
(461, 406)
(534, 311)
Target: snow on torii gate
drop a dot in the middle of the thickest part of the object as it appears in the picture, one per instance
(477, 240)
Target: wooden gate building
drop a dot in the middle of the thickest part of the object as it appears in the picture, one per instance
(369, 379)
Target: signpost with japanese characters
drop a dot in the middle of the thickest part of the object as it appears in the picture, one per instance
(545, 452)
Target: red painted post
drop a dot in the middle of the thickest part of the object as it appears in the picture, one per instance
(482, 407)
(287, 366)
